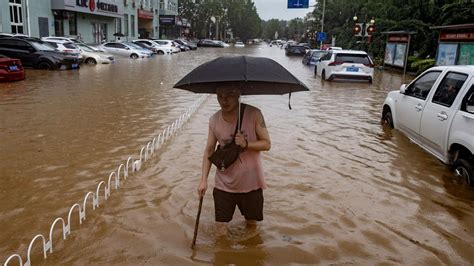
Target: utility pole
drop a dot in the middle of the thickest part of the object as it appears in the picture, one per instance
(322, 24)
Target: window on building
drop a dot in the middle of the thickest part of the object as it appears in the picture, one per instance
(132, 26)
(125, 24)
(16, 17)
(162, 5)
(72, 23)
(118, 25)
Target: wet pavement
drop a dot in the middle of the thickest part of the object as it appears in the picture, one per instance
(342, 189)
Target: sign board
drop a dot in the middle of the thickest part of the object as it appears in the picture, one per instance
(144, 14)
(447, 54)
(167, 20)
(466, 54)
(395, 54)
(321, 37)
(298, 3)
(96, 7)
(456, 36)
(398, 38)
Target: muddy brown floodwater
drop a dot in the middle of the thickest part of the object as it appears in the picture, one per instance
(341, 188)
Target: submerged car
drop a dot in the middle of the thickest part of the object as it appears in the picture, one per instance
(160, 48)
(296, 50)
(436, 111)
(37, 54)
(122, 49)
(189, 44)
(11, 69)
(209, 43)
(239, 44)
(93, 57)
(312, 57)
(345, 64)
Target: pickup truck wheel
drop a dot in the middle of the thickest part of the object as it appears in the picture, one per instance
(161, 52)
(387, 119)
(134, 56)
(464, 169)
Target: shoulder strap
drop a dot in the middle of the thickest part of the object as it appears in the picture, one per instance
(242, 109)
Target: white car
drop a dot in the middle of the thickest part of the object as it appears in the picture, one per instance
(75, 41)
(239, 44)
(122, 49)
(63, 46)
(161, 49)
(91, 56)
(168, 44)
(346, 64)
(221, 43)
(436, 111)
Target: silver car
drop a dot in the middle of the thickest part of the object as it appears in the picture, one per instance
(123, 49)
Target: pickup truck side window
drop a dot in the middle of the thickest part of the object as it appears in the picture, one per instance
(449, 88)
(422, 86)
(468, 101)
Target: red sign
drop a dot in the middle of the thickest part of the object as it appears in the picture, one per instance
(456, 36)
(143, 14)
(92, 5)
(398, 38)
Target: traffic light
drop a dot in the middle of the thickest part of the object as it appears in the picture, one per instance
(370, 28)
(357, 29)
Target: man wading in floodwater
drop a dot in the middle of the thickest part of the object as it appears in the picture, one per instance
(241, 183)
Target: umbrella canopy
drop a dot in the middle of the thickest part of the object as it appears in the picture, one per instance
(252, 75)
(119, 34)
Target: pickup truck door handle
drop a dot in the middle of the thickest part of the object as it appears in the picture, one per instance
(442, 116)
(419, 107)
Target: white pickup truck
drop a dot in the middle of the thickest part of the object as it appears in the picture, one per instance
(436, 111)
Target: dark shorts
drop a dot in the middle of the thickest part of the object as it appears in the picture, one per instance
(250, 205)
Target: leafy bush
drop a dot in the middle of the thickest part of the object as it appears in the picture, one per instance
(420, 65)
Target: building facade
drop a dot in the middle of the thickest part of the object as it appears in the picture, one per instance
(92, 21)
(170, 23)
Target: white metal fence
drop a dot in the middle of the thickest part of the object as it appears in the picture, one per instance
(131, 164)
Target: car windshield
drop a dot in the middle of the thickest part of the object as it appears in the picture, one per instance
(42, 46)
(85, 48)
(353, 58)
(132, 45)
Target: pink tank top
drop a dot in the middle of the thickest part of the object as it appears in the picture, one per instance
(245, 174)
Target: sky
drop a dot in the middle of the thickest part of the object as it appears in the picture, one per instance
(278, 9)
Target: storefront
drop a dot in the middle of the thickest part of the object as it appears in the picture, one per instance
(92, 21)
(145, 23)
(455, 45)
(172, 26)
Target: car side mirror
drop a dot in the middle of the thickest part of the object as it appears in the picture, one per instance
(127, 48)
(470, 103)
(403, 88)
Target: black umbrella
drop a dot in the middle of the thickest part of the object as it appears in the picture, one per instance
(252, 75)
(119, 34)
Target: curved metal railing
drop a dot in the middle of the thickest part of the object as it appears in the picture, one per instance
(145, 153)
